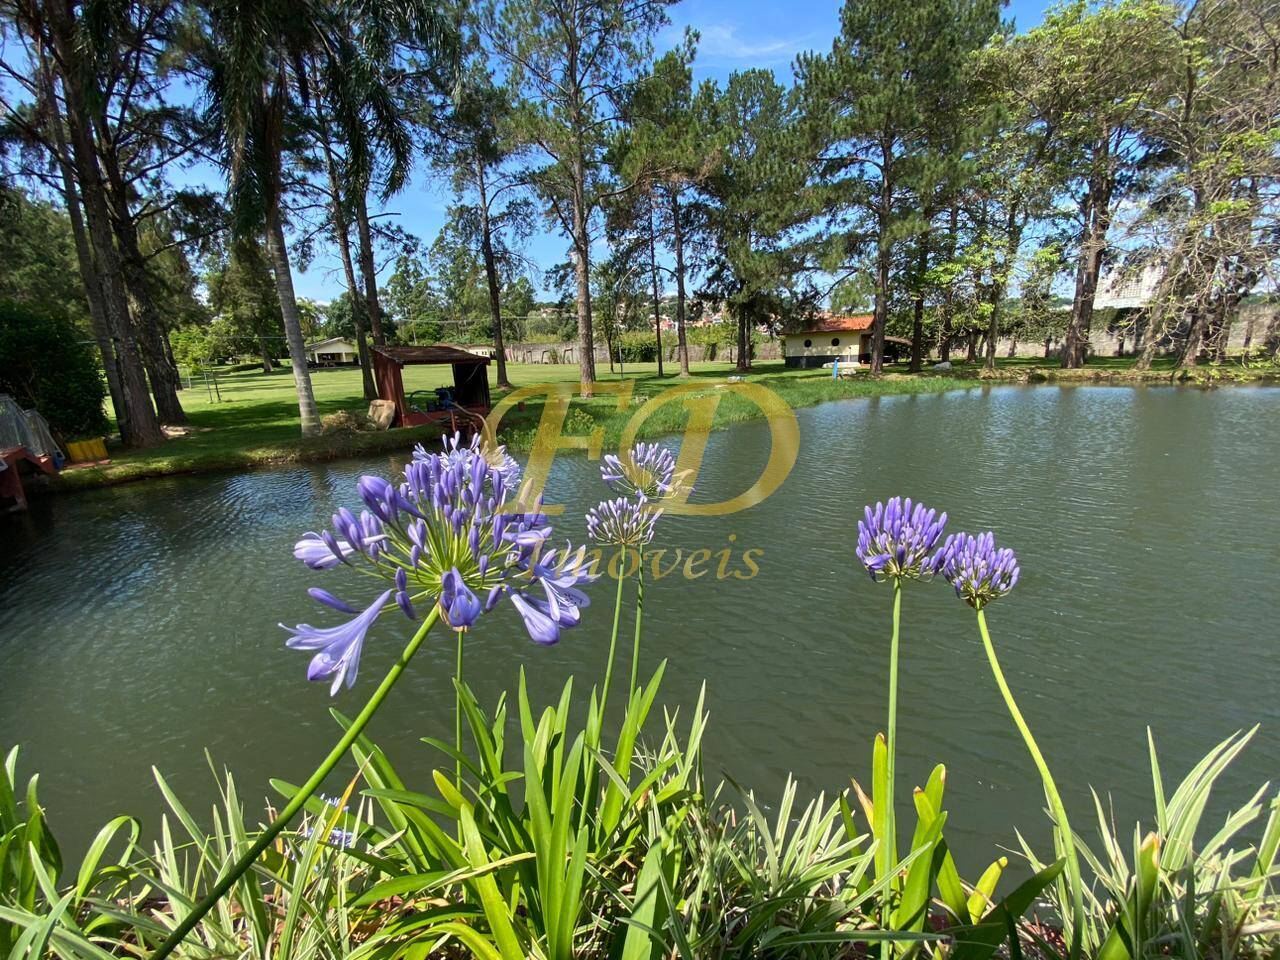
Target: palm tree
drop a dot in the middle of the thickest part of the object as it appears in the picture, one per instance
(258, 56)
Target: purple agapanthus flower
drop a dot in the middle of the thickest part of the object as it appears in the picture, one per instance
(647, 472)
(497, 456)
(622, 522)
(559, 571)
(980, 571)
(443, 535)
(337, 648)
(894, 539)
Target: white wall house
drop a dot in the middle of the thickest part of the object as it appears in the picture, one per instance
(829, 337)
(336, 351)
(1129, 289)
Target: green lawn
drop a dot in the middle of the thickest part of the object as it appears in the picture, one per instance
(255, 421)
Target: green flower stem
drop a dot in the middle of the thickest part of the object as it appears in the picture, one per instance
(304, 793)
(890, 838)
(588, 764)
(457, 711)
(1050, 788)
(635, 644)
(613, 638)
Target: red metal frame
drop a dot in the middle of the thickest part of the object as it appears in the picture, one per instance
(11, 479)
(470, 381)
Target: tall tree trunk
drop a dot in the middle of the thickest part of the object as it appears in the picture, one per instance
(308, 415)
(880, 315)
(677, 237)
(1095, 212)
(917, 318)
(342, 234)
(744, 340)
(1155, 332)
(1190, 355)
(491, 276)
(139, 427)
(162, 373)
(173, 363)
(84, 256)
(948, 296)
(582, 273)
(1013, 235)
(264, 351)
(653, 271)
(880, 318)
(369, 269)
(152, 336)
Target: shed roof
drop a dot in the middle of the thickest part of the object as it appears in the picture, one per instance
(838, 323)
(430, 353)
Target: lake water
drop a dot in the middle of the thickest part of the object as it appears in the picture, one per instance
(139, 623)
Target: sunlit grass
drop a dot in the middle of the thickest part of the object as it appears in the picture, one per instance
(250, 418)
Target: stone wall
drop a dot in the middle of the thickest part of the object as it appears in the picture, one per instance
(1256, 327)
(567, 352)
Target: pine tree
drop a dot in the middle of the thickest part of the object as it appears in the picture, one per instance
(662, 149)
(571, 61)
(758, 200)
(476, 147)
(873, 104)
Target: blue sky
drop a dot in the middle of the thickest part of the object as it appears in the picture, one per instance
(735, 35)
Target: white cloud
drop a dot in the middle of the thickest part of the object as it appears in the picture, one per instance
(722, 44)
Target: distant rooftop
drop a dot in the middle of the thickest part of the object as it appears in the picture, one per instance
(432, 353)
(837, 323)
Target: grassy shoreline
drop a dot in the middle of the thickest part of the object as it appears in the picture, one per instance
(251, 421)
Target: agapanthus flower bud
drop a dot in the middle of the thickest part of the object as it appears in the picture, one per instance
(329, 600)
(979, 571)
(895, 538)
(497, 456)
(622, 522)
(647, 472)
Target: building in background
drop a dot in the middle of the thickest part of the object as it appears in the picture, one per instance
(334, 352)
(828, 337)
(1129, 289)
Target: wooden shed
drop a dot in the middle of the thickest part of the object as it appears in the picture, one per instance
(468, 398)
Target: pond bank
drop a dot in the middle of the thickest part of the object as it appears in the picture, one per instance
(208, 450)
(1205, 376)
(213, 447)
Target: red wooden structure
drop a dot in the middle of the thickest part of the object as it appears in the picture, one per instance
(16, 459)
(460, 405)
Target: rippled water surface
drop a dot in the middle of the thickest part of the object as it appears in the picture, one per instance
(139, 623)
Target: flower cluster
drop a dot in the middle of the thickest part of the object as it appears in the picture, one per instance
(622, 522)
(979, 571)
(647, 472)
(895, 539)
(441, 536)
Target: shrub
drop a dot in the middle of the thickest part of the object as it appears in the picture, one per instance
(721, 334)
(43, 365)
(638, 346)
